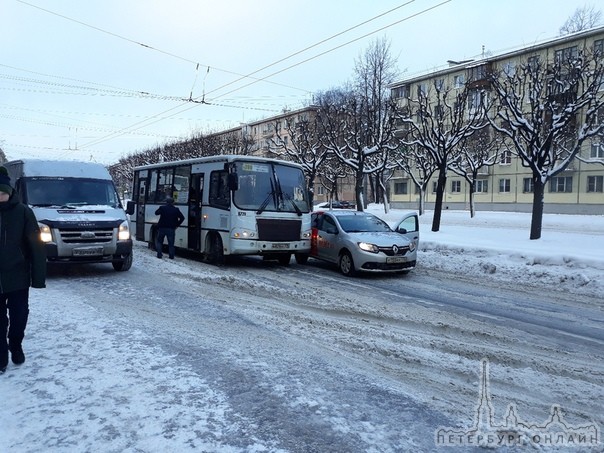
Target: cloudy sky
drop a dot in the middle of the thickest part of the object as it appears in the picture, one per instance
(101, 79)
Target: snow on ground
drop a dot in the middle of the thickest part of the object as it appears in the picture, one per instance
(122, 383)
(569, 255)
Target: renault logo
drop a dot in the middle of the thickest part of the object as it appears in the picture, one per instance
(395, 249)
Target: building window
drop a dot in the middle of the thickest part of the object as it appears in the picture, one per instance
(434, 186)
(528, 186)
(505, 157)
(509, 69)
(400, 92)
(533, 62)
(459, 81)
(320, 190)
(561, 184)
(599, 46)
(455, 186)
(504, 185)
(595, 183)
(401, 188)
(439, 84)
(422, 90)
(565, 55)
(597, 150)
(482, 185)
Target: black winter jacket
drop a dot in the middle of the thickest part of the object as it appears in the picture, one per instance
(169, 216)
(22, 253)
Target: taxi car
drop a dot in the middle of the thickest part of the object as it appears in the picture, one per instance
(361, 242)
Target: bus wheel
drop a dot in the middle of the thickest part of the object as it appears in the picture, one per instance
(301, 258)
(214, 252)
(284, 259)
(122, 264)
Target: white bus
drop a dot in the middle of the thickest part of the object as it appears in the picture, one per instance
(233, 205)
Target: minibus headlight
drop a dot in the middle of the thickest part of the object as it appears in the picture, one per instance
(123, 233)
(45, 233)
(242, 233)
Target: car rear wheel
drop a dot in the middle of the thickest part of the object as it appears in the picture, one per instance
(346, 264)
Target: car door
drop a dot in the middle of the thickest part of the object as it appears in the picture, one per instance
(328, 239)
(409, 227)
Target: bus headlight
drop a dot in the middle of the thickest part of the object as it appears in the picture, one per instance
(306, 234)
(45, 233)
(123, 234)
(242, 233)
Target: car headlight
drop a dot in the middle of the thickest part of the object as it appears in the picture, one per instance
(123, 234)
(45, 233)
(368, 247)
(413, 245)
(242, 233)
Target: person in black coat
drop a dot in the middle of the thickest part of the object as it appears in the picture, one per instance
(170, 218)
(22, 264)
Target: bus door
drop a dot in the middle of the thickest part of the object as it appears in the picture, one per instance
(141, 192)
(194, 220)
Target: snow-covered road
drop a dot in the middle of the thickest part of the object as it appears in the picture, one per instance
(182, 356)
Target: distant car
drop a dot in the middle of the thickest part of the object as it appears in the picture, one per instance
(336, 204)
(362, 242)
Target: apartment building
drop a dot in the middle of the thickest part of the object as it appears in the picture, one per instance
(507, 185)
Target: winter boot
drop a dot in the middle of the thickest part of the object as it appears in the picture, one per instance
(17, 355)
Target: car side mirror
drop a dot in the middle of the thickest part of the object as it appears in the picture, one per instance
(401, 230)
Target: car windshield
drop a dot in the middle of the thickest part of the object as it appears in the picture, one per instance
(360, 224)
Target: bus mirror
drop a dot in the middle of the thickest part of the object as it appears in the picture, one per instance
(233, 181)
(130, 206)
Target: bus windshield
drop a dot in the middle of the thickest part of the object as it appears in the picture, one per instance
(70, 192)
(270, 187)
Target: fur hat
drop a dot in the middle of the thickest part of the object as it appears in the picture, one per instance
(5, 181)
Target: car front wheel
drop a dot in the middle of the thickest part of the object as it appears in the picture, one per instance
(346, 264)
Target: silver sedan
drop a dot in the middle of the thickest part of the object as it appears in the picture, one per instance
(362, 242)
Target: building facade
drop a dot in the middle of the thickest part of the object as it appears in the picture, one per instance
(507, 185)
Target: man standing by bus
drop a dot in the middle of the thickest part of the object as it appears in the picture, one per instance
(170, 218)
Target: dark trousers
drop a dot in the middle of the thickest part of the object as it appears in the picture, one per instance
(168, 233)
(13, 325)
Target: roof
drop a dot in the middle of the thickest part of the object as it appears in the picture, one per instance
(455, 66)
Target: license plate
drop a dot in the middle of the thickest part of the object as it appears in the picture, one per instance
(395, 259)
(280, 246)
(89, 251)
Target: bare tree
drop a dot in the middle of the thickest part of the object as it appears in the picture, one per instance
(476, 153)
(416, 162)
(2, 156)
(303, 146)
(360, 128)
(439, 120)
(582, 19)
(547, 110)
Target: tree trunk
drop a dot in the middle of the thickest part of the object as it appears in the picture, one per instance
(440, 192)
(358, 190)
(537, 216)
(422, 200)
(472, 192)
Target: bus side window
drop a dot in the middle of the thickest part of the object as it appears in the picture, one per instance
(219, 189)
